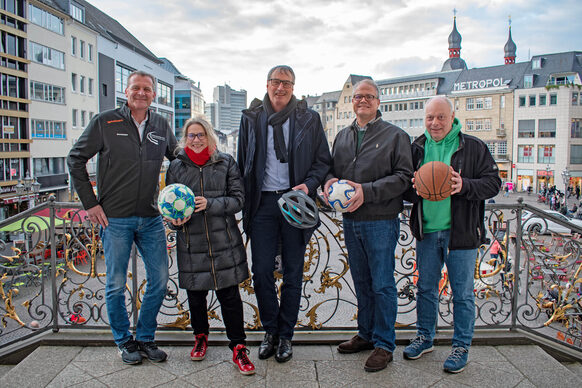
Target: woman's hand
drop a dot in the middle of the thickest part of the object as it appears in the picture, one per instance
(200, 204)
(178, 222)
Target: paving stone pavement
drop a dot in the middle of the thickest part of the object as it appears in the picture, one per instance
(312, 366)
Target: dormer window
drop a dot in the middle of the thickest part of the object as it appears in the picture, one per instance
(536, 63)
(77, 12)
(528, 81)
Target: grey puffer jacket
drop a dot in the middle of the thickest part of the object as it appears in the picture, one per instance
(211, 254)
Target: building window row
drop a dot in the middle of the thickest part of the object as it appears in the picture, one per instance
(10, 169)
(48, 93)
(47, 56)
(84, 118)
(478, 103)
(408, 89)
(546, 128)
(85, 49)
(540, 100)
(48, 129)
(48, 166)
(546, 154)
(82, 84)
(45, 19)
(12, 44)
(478, 125)
(77, 12)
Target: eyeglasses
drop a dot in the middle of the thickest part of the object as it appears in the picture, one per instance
(193, 136)
(360, 97)
(286, 84)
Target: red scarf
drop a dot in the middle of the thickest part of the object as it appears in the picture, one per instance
(199, 158)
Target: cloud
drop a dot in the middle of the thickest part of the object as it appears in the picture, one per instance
(238, 41)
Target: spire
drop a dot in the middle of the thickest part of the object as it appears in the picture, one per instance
(455, 61)
(510, 47)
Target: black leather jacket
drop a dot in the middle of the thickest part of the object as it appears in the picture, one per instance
(480, 181)
(211, 254)
(129, 168)
(382, 165)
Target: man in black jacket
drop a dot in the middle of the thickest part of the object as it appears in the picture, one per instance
(449, 231)
(281, 147)
(131, 142)
(374, 157)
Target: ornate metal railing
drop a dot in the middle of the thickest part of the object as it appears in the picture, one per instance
(52, 275)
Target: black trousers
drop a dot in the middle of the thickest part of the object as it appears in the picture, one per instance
(232, 313)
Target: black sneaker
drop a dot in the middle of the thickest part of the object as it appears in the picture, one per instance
(129, 352)
(151, 351)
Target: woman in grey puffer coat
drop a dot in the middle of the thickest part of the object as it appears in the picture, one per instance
(211, 254)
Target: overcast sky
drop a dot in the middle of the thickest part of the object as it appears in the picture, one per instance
(238, 41)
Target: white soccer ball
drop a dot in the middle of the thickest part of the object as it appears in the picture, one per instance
(339, 193)
(176, 201)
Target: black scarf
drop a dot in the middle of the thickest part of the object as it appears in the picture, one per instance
(276, 120)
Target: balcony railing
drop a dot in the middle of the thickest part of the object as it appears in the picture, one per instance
(53, 277)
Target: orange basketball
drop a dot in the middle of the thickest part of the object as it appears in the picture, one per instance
(433, 181)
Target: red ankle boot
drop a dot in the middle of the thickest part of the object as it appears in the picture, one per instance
(200, 345)
(241, 359)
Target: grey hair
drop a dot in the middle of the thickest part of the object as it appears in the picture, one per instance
(438, 98)
(366, 81)
(282, 68)
(143, 74)
(210, 134)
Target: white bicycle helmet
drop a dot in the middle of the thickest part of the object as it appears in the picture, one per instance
(298, 209)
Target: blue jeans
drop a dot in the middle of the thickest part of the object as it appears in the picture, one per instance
(371, 246)
(149, 235)
(267, 227)
(431, 253)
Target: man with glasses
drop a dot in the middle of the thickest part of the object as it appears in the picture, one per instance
(374, 157)
(281, 147)
(131, 142)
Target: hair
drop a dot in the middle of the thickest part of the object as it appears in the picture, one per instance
(143, 74)
(210, 134)
(366, 81)
(437, 98)
(282, 68)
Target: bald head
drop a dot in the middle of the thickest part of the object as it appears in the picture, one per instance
(438, 117)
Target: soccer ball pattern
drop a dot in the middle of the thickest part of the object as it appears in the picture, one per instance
(339, 192)
(176, 201)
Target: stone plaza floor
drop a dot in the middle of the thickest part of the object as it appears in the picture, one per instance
(311, 366)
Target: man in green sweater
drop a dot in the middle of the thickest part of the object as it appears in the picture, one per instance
(449, 231)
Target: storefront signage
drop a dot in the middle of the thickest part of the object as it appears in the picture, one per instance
(481, 84)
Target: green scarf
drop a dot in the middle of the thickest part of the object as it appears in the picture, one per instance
(437, 214)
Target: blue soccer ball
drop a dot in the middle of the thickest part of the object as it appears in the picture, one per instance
(176, 201)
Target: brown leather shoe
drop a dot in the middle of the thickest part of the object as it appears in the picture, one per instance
(378, 360)
(356, 344)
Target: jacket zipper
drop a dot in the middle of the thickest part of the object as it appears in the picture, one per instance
(207, 235)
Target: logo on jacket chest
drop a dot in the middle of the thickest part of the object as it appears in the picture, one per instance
(154, 139)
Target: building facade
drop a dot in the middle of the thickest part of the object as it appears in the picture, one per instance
(225, 110)
(14, 112)
(63, 80)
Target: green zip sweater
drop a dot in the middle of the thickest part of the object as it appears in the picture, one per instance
(437, 214)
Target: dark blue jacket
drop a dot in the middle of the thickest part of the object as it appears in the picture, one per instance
(309, 157)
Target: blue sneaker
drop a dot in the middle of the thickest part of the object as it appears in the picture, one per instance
(417, 348)
(129, 352)
(457, 360)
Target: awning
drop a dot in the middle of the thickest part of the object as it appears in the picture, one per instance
(79, 215)
(36, 223)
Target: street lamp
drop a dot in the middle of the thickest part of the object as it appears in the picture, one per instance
(566, 178)
(25, 187)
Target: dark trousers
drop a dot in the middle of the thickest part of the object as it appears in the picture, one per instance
(232, 313)
(268, 227)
